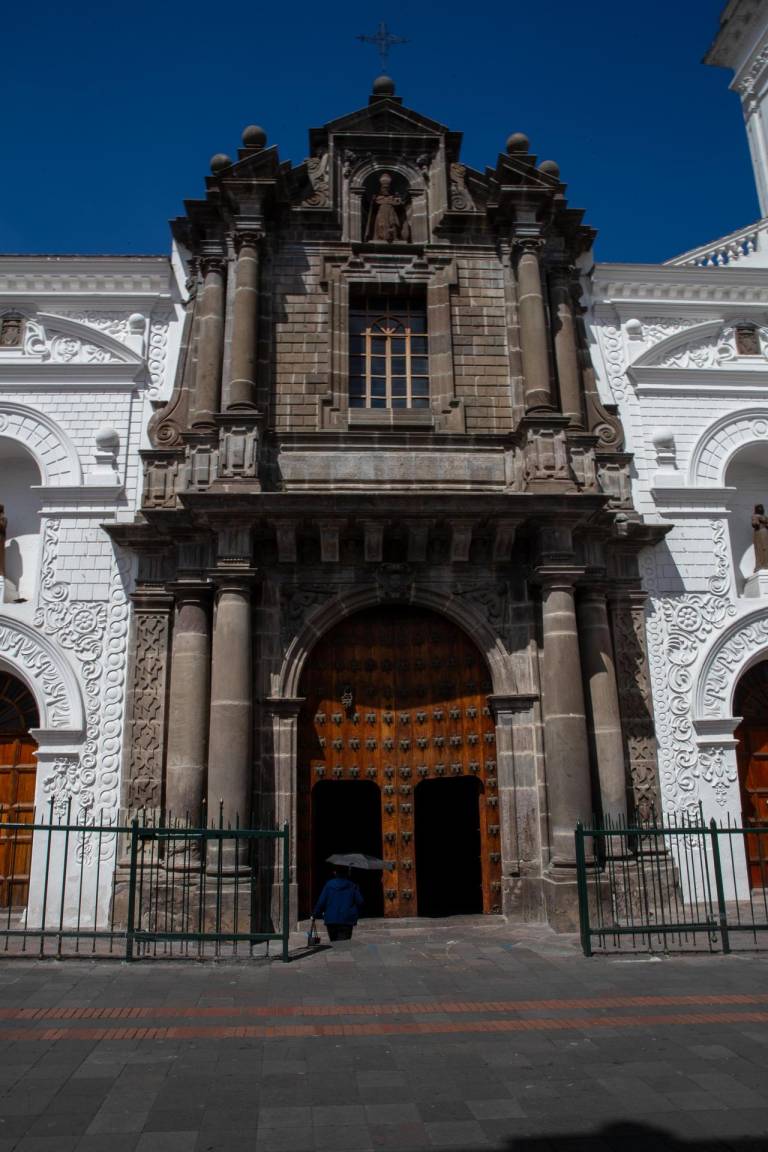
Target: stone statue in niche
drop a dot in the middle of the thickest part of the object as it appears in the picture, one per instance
(387, 217)
(747, 340)
(3, 534)
(760, 536)
(11, 330)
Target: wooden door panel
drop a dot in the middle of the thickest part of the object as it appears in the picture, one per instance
(17, 806)
(396, 697)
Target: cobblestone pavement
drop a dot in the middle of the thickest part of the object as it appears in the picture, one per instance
(455, 1035)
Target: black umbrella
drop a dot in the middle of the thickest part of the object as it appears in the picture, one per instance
(360, 860)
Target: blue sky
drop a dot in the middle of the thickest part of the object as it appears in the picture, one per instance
(113, 110)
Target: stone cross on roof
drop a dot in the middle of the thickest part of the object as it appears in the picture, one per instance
(383, 41)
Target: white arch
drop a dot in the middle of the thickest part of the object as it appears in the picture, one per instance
(27, 653)
(54, 452)
(686, 337)
(338, 608)
(718, 444)
(742, 644)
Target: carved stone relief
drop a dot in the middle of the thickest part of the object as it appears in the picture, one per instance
(78, 626)
(319, 178)
(677, 629)
(635, 703)
(461, 198)
(142, 787)
(20, 649)
(747, 641)
(718, 773)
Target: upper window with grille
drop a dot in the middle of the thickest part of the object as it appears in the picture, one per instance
(388, 352)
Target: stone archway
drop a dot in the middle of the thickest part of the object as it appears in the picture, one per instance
(397, 695)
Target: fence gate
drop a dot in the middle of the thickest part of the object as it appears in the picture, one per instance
(673, 885)
(139, 891)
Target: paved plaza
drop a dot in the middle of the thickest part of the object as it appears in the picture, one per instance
(455, 1035)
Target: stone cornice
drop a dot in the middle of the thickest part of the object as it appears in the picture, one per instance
(91, 275)
(649, 283)
(82, 377)
(726, 381)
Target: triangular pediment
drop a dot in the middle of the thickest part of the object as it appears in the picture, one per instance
(383, 116)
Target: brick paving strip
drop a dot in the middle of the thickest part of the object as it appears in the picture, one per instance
(380, 1027)
(162, 1011)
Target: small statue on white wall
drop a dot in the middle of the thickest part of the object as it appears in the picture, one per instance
(760, 531)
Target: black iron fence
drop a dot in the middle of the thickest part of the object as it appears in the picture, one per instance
(140, 890)
(672, 885)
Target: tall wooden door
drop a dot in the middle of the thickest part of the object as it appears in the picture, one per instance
(751, 703)
(18, 767)
(399, 696)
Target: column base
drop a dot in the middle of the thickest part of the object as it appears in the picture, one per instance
(561, 899)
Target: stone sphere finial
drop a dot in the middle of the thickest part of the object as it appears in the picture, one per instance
(219, 162)
(518, 142)
(383, 86)
(254, 136)
(550, 168)
(136, 324)
(107, 439)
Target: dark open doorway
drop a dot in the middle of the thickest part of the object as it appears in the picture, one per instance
(346, 817)
(448, 871)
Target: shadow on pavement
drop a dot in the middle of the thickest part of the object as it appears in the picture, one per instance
(632, 1137)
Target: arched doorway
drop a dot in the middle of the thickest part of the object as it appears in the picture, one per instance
(18, 713)
(396, 696)
(751, 703)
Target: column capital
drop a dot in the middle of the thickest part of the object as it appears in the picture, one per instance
(554, 577)
(504, 705)
(284, 705)
(185, 591)
(238, 581)
(151, 600)
(212, 262)
(528, 244)
(248, 238)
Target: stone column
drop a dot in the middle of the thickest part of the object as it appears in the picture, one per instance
(284, 712)
(566, 352)
(533, 327)
(603, 694)
(188, 705)
(229, 746)
(566, 747)
(207, 398)
(245, 324)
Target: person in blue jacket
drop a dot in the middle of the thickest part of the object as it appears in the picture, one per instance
(339, 906)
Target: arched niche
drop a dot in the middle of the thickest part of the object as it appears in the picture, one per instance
(747, 475)
(22, 502)
(407, 183)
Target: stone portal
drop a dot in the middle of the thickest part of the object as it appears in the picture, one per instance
(398, 697)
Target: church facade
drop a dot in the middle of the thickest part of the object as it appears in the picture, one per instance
(387, 570)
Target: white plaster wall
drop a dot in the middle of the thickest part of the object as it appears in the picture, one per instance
(122, 317)
(655, 335)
